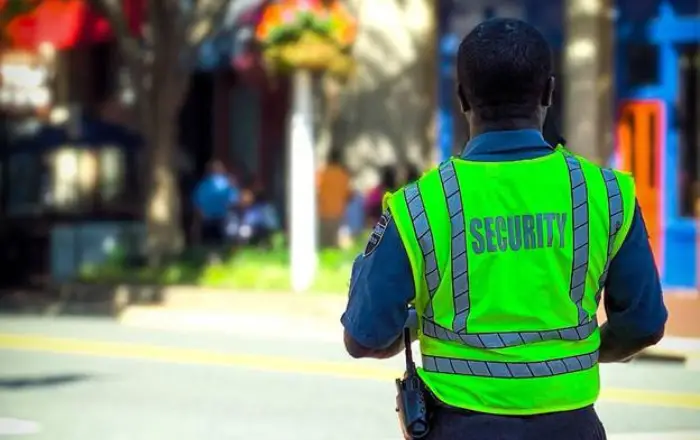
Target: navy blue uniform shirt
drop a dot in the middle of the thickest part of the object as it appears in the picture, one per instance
(381, 285)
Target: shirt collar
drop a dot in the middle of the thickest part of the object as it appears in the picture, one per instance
(499, 142)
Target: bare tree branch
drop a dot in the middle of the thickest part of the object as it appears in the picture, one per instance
(205, 20)
(113, 12)
(179, 13)
(158, 22)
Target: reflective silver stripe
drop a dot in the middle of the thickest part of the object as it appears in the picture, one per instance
(579, 266)
(509, 339)
(616, 212)
(510, 370)
(421, 228)
(458, 246)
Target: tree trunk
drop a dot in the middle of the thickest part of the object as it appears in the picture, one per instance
(163, 219)
(588, 64)
(160, 104)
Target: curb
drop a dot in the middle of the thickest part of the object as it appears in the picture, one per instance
(43, 303)
(676, 350)
(244, 323)
(113, 300)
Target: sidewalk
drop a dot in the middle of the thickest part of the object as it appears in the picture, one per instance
(316, 317)
(276, 326)
(310, 305)
(268, 315)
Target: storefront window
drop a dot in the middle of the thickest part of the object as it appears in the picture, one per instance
(25, 178)
(64, 168)
(68, 180)
(642, 64)
(687, 8)
(637, 10)
(113, 182)
(689, 125)
(73, 174)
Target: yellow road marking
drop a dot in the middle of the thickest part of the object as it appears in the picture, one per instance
(192, 356)
(354, 370)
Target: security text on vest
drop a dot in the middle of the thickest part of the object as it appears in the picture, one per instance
(517, 232)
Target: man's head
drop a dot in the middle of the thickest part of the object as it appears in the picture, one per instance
(216, 167)
(504, 73)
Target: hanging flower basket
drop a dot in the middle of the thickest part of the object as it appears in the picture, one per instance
(307, 34)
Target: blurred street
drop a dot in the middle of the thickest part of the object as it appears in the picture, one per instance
(189, 168)
(75, 378)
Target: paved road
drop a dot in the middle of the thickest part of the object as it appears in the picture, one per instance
(79, 379)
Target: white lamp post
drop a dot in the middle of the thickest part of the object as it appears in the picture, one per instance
(302, 213)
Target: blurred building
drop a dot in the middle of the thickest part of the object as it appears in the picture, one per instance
(69, 159)
(656, 78)
(66, 158)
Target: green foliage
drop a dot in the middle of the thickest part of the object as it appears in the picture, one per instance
(250, 269)
(305, 21)
(14, 8)
(316, 38)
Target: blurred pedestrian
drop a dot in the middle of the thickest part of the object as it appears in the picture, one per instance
(373, 201)
(334, 193)
(259, 219)
(213, 198)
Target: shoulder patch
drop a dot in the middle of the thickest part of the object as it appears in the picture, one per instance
(377, 233)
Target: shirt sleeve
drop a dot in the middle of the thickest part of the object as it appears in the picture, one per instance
(633, 296)
(381, 288)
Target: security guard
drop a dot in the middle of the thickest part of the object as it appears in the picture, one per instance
(505, 251)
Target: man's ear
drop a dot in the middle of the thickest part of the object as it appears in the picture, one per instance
(548, 94)
(463, 103)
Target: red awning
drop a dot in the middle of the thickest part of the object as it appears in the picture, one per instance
(66, 24)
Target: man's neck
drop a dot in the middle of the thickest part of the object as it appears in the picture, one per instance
(480, 127)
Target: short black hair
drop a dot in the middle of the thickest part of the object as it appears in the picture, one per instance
(412, 174)
(388, 178)
(503, 67)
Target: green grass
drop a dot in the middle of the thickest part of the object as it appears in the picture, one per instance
(250, 269)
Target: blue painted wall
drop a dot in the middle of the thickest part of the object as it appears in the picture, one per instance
(663, 24)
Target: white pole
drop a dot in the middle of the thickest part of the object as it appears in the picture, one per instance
(302, 185)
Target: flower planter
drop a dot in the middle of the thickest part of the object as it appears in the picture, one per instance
(307, 35)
